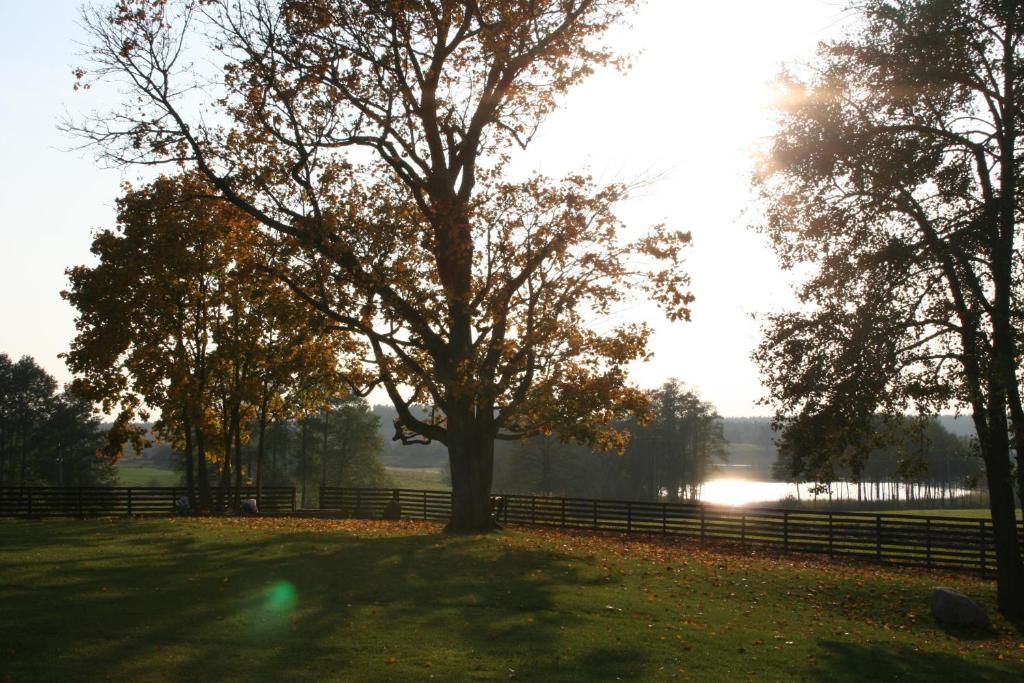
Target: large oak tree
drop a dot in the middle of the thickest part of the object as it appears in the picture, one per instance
(371, 138)
(895, 176)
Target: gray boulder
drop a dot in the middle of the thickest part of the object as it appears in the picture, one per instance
(249, 506)
(953, 608)
(181, 506)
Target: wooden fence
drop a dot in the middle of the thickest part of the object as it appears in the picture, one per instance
(35, 501)
(905, 540)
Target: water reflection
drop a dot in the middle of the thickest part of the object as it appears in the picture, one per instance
(747, 492)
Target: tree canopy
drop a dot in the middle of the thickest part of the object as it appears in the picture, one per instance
(894, 176)
(371, 140)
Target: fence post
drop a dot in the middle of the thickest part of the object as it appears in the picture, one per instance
(830, 534)
(533, 510)
(129, 501)
(80, 513)
(701, 523)
(563, 512)
(981, 528)
(30, 502)
(424, 505)
(629, 517)
(664, 519)
(743, 529)
(594, 502)
(878, 537)
(785, 531)
(928, 541)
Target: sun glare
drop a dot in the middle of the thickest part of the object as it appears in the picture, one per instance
(743, 492)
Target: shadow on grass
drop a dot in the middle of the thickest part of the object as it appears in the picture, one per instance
(858, 663)
(152, 601)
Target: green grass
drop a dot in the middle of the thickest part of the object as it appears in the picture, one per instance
(342, 600)
(131, 474)
(418, 478)
(970, 513)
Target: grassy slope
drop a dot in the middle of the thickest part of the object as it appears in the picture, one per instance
(417, 478)
(130, 474)
(170, 600)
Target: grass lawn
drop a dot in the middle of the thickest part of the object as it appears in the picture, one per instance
(418, 478)
(129, 474)
(343, 600)
(971, 513)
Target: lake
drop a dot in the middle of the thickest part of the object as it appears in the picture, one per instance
(746, 491)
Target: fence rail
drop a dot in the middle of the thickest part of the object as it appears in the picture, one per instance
(37, 501)
(905, 540)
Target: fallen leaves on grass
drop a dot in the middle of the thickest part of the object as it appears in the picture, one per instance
(371, 528)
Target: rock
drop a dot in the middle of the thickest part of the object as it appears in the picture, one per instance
(953, 608)
(249, 506)
(181, 506)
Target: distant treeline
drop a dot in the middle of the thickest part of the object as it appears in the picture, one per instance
(921, 456)
(670, 456)
(686, 444)
(942, 460)
(930, 458)
(339, 446)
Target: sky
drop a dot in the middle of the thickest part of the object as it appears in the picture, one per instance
(692, 112)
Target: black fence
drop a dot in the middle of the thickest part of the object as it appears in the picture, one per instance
(35, 501)
(905, 540)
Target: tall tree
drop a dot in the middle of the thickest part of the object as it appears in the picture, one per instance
(26, 392)
(146, 314)
(372, 137)
(177, 316)
(353, 445)
(895, 175)
(689, 432)
(674, 451)
(74, 448)
(48, 437)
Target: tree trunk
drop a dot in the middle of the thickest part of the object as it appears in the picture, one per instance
(302, 461)
(259, 458)
(1009, 565)
(190, 475)
(225, 470)
(471, 460)
(236, 498)
(323, 450)
(204, 481)
(994, 442)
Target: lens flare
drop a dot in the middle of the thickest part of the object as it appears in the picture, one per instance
(281, 597)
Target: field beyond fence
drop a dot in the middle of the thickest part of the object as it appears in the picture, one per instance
(903, 540)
